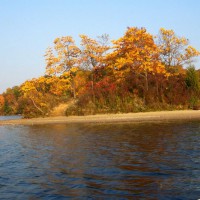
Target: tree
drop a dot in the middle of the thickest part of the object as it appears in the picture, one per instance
(93, 51)
(93, 54)
(11, 96)
(174, 50)
(2, 102)
(135, 53)
(192, 79)
(65, 59)
(30, 90)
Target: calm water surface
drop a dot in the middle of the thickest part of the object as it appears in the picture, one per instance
(10, 117)
(108, 161)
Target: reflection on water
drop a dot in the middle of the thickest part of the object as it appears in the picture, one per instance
(120, 161)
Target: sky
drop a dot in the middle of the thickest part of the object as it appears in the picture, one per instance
(28, 27)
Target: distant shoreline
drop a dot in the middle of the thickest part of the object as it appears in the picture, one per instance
(110, 118)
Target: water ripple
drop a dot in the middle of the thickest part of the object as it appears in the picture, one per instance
(121, 161)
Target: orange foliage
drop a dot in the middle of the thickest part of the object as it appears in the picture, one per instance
(135, 52)
(2, 101)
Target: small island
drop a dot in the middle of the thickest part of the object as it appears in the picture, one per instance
(137, 73)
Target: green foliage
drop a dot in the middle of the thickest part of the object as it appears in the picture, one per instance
(7, 108)
(192, 79)
(194, 102)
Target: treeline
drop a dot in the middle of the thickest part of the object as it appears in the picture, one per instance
(137, 72)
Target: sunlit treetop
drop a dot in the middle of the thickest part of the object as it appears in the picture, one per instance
(136, 51)
(175, 50)
(93, 51)
(63, 58)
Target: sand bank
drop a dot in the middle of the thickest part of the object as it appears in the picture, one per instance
(111, 118)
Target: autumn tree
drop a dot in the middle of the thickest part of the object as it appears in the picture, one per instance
(63, 59)
(175, 51)
(135, 53)
(59, 86)
(11, 96)
(93, 51)
(31, 91)
(2, 102)
(93, 54)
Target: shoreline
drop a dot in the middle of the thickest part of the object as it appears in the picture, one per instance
(110, 118)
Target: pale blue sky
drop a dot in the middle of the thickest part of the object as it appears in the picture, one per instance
(28, 27)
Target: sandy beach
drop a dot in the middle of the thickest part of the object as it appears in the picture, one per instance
(111, 118)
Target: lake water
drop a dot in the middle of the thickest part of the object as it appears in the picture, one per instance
(100, 161)
(10, 117)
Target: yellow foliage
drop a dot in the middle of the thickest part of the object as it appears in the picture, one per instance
(136, 52)
(64, 58)
(93, 52)
(174, 50)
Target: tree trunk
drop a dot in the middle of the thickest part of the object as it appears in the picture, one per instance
(36, 106)
(146, 88)
(93, 94)
(74, 88)
(157, 88)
